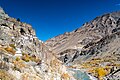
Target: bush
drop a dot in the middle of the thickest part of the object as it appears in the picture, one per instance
(26, 57)
(65, 76)
(12, 45)
(101, 72)
(19, 64)
(17, 69)
(10, 50)
(17, 58)
(35, 59)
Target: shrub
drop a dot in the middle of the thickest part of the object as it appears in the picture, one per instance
(16, 68)
(10, 50)
(12, 45)
(101, 72)
(17, 58)
(35, 59)
(65, 76)
(19, 64)
(26, 57)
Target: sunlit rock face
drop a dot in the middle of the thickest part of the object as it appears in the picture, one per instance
(93, 47)
(2, 14)
(23, 56)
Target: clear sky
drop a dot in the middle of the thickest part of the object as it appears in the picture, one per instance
(53, 17)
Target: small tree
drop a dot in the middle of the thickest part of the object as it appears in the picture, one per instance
(18, 19)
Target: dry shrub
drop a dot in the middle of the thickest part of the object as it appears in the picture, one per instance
(19, 64)
(65, 76)
(26, 57)
(10, 50)
(4, 75)
(101, 72)
(12, 45)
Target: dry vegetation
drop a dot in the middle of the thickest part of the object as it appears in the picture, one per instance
(4, 75)
(65, 76)
(10, 50)
(100, 67)
(28, 58)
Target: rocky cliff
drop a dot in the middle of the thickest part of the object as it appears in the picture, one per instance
(94, 46)
(23, 56)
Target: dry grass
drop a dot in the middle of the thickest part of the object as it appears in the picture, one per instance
(99, 67)
(65, 76)
(10, 50)
(26, 57)
(4, 75)
(19, 64)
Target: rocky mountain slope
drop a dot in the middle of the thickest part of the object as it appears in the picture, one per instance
(23, 56)
(91, 52)
(93, 47)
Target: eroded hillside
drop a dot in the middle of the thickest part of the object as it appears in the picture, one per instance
(23, 56)
(93, 45)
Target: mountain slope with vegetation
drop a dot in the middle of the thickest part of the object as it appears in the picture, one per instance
(91, 52)
(23, 56)
(94, 45)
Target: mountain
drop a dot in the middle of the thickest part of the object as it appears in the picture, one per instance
(93, 47)
(91, 52)
(23, 56)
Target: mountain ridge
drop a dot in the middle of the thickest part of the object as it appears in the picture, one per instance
(92, 51)
(91, 41)
(23, 56)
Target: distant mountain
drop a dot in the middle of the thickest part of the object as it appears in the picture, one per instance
(94, 45)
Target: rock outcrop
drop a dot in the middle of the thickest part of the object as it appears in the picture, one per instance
(23, 56)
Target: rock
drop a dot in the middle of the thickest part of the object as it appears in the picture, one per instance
(22, 55)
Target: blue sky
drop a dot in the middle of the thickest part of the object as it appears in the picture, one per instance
(53, 17)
